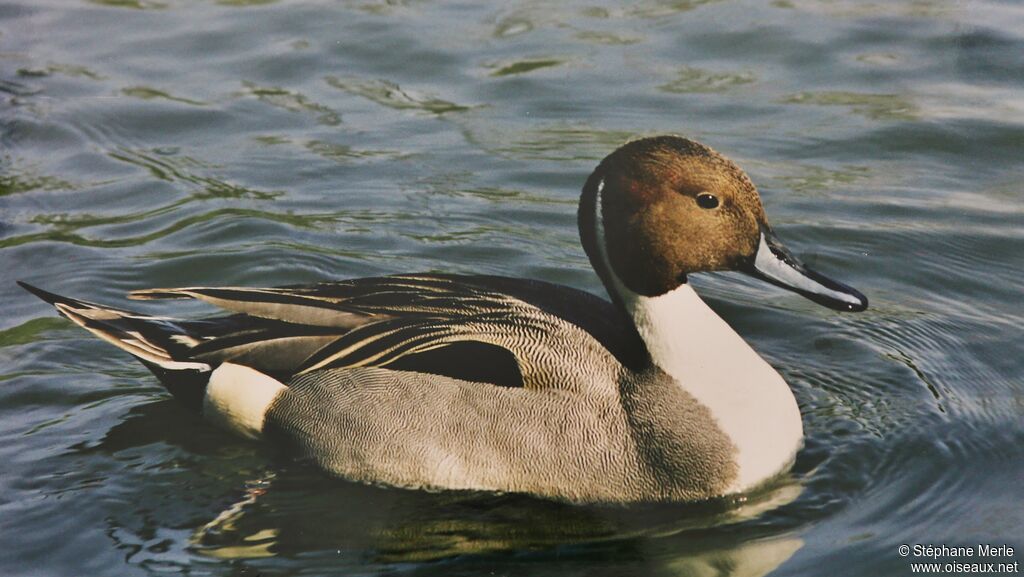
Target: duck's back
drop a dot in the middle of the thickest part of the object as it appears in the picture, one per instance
(503, 331)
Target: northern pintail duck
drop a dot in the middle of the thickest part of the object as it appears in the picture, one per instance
(505, 384)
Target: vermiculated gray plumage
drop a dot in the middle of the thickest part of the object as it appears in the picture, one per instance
(645, 440)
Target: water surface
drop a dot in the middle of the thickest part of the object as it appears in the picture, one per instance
(259, 142)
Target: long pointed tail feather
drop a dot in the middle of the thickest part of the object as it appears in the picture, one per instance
(54, 299)
(158, 342)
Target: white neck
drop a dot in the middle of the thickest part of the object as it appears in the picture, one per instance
(747, 397)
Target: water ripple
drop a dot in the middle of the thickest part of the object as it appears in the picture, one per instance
(292, 101)
(391, 95)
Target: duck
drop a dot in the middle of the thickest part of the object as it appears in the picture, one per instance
(439, 381)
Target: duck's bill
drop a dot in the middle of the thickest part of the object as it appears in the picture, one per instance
(775, 264)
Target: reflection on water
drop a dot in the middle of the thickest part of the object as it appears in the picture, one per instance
(394, 96)
(696, 80)
(293, 101)
(873, 106)
(252, 142)
(147, 93)
(406, 527)
(523, 66)
(553, 142)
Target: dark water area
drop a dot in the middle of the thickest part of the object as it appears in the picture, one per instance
(148, 143)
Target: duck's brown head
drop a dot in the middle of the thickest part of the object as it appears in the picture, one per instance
(659, 209)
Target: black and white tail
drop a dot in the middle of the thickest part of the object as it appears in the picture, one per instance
(160, 343)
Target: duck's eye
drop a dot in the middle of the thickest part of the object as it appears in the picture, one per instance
(707, 200)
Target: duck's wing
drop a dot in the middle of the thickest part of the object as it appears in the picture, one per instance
(484, 328)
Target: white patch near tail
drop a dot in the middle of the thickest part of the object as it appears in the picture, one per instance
(238, 398)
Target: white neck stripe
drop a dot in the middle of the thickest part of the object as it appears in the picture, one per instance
(618, 286)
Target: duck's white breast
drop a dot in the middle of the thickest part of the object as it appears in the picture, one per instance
(748, 398)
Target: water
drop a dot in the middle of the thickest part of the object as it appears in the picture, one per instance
(161, 142)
